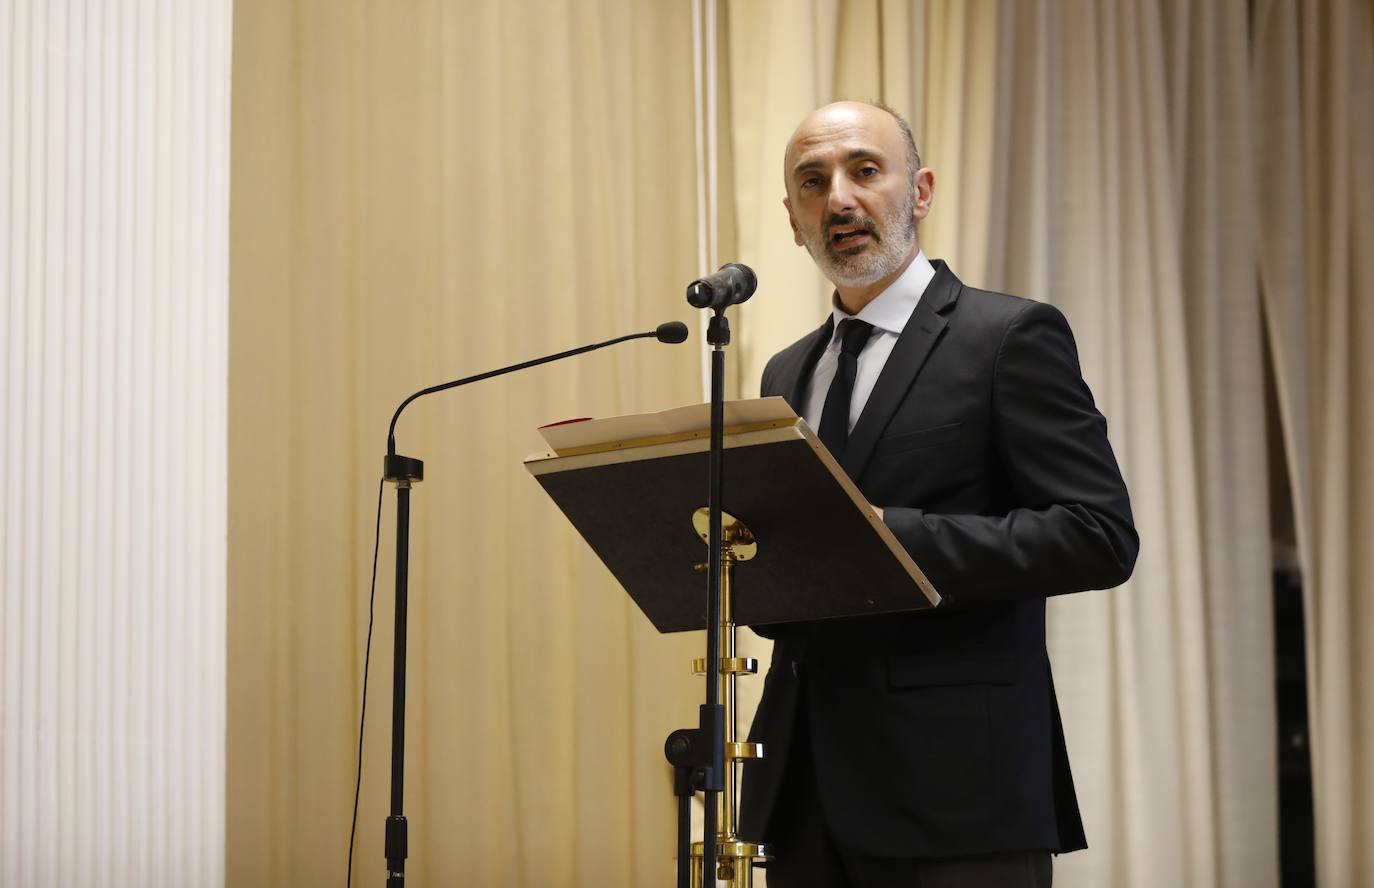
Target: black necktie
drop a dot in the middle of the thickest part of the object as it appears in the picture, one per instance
(834, 430)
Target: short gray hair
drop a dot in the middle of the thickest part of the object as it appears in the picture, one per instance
(913, 156)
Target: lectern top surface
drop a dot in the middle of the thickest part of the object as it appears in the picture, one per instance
(633, 501)
(694, 420)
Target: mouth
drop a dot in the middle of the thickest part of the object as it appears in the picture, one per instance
(847, 238)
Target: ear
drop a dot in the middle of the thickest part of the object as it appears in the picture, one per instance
(796, 232)
(925, 193)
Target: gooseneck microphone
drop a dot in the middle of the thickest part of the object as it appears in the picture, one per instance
(405, 471)
(671, 332)
(733, 284)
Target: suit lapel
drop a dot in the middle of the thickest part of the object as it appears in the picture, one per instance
(919, 336)
(795, 379)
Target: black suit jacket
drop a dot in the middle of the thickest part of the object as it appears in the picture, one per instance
(937, 734)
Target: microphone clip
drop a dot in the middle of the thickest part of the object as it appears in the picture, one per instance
(718, 329)
(405, 470)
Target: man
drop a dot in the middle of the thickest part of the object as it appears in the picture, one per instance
(926, 748)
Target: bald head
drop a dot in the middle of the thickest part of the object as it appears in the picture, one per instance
(874, 116)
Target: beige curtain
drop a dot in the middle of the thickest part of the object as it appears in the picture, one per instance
(420, 191)
(1314, 122)
(1096, 156)
(424, 190)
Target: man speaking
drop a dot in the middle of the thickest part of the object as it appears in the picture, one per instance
(926, 749)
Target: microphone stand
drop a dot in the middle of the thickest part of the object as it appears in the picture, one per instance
(698, 754)
(717, 336)
(405, 471)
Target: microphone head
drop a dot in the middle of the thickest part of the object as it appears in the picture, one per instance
(671, 332)
(700, 294)
(749, 282)
(731, 285)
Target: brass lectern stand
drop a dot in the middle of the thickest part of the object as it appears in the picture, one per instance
(734, 858)
(632, 486)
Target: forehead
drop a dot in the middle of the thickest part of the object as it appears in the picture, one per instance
(836, 132)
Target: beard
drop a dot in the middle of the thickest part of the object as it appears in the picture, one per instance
(893, 235)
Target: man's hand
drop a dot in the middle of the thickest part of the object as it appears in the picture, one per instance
(878, 510)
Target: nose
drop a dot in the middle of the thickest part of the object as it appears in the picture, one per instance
(841, 198)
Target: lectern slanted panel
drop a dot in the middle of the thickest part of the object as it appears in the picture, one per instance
(820, 554)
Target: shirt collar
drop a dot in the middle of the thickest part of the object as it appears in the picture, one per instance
(891, 309)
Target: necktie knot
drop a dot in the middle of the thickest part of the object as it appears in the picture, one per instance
(854, 335)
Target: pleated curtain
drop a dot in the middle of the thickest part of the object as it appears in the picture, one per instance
(422, 191)
(114, 289)
(1160, 171)
(1313, 65)
(425, 190)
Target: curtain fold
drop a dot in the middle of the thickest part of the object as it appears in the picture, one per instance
(1313, 64)
(420, 192)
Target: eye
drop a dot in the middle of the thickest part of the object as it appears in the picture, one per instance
(868, 171)
(810, 182)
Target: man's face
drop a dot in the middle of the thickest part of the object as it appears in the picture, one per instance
(852, 201)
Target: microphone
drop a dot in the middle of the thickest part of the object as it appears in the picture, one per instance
(671, 332)
(733, 284)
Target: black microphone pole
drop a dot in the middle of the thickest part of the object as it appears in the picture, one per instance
(698, 755)
(404, 471)
(718, 335)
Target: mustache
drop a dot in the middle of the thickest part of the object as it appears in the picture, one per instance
(836, 220)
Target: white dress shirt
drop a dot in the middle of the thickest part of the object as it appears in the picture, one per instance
(888, 313)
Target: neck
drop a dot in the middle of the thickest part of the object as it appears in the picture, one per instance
(853, 299)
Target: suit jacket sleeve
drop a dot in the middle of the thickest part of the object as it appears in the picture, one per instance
(1069, 525)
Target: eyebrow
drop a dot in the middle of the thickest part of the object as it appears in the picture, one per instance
(856, 154)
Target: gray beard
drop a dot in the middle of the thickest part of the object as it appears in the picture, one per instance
(894, 235)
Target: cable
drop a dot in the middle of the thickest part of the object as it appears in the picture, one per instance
(367, 662)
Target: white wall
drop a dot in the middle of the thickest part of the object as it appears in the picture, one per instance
(114, 159)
